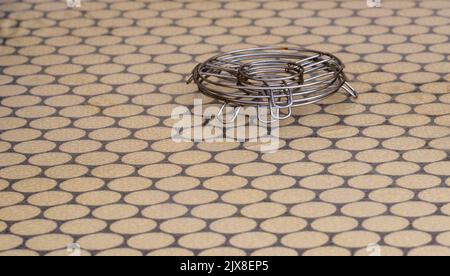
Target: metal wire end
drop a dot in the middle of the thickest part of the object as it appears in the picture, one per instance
(280, 78)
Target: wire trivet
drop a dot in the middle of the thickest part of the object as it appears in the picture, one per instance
(279, 78)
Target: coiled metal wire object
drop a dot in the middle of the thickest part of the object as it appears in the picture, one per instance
(277, 78)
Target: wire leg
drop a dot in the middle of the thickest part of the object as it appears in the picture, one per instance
(350, 90)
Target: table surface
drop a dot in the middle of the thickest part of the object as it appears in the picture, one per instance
(86, 155)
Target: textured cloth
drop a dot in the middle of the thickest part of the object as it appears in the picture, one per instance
(86, 154)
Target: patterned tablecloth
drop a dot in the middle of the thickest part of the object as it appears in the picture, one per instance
(86, 154)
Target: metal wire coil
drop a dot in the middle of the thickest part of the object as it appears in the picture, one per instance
(280, 78)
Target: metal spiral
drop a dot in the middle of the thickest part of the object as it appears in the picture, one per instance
(280, 78)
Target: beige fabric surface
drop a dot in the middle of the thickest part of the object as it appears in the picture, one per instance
(86, 155)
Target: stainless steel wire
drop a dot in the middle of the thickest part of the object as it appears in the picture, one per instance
(280, 78)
